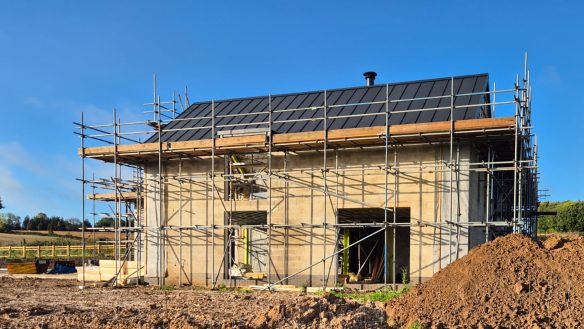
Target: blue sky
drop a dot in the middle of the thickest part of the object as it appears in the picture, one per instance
(59, 58)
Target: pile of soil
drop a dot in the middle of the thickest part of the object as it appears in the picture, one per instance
(324, 312)
(511, 282)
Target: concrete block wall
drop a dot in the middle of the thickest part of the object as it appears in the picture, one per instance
(423, 186)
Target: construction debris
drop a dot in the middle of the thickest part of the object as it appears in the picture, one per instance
(277, 287)
(322, 312)
(107, 271)
(255, 275)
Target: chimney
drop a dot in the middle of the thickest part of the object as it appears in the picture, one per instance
(370, 78)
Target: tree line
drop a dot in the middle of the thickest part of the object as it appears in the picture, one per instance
(110, 222)
(40, 222)
(569, 217)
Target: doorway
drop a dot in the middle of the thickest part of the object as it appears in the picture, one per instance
(366, 260)
(246, 247)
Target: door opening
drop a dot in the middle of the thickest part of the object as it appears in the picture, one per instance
(246, 247)
(370, 259)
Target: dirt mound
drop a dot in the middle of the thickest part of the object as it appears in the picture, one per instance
(509, 282)
(553, 242)
(324, 312)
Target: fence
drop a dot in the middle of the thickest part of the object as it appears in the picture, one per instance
(98, 251)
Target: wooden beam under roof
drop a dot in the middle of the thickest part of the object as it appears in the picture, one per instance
(127, 196)
(336, 138)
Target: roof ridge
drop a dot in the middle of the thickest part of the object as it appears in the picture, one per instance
(338, 89)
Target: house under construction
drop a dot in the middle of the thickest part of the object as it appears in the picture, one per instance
(376, 184)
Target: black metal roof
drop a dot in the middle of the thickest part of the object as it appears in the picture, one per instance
(189, 125)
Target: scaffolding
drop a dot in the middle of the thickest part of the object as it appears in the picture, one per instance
(508, 164)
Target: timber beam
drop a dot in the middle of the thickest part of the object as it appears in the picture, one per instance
(337, 138)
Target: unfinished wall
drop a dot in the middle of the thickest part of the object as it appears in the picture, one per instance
(355, 179)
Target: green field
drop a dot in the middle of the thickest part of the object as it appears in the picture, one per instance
(17, 239)
(73, 234)
(33, 238)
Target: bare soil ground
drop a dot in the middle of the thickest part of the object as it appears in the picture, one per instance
(42, 303)
(512, 282)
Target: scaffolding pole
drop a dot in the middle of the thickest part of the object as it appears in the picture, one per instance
(509, 181)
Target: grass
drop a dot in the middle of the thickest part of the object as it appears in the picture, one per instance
(72, 234)
(245, 290)
(222, 287)
(35, 238)
(15, 239)
(415, 325)
(375, 296)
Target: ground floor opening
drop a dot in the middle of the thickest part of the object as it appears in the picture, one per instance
(246, 248)
(368, 255)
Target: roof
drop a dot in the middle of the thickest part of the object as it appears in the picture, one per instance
(346, 108)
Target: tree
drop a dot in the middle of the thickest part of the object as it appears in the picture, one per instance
(27, 223)
(1, 205)
(74, 221)
(13, 221)
(50, 228)
(40, 222)
(569, 218)
(56, 223)
(17, 225)
(105, 222)
(9, 222)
